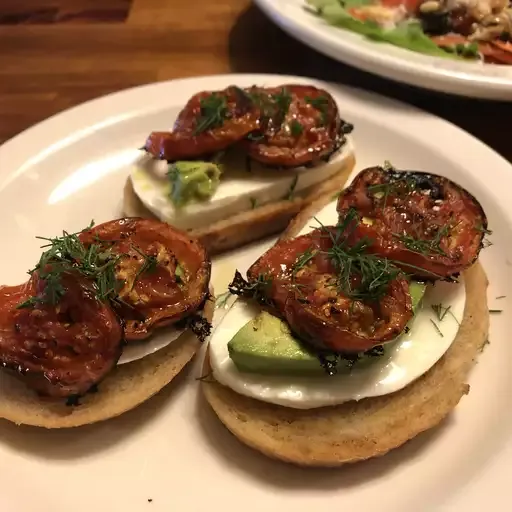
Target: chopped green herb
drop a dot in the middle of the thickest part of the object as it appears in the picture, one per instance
(66, 254)
(255, 136)
(303, 260)
(282, 101)
(321, 103)
(440, 311)
(149, 265)
(293, 186)
(254, 202)
(424, 247)
(207, 377)
(296, 128)
(495, 311)
(213, 112)
(437, 328)
(481, 228)
(222, 299)
(256, 289)
(375, 273)
(180, 274)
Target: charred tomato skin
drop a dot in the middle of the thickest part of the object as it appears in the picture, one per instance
(314, 307)
(59, 351)
(307, 134)
(174, 288)
(428, 225)
(238, 120)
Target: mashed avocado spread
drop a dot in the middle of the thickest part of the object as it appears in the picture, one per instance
(193, 181)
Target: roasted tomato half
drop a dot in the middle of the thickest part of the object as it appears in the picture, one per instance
(300, 125)
(333, 296)
(427, 224)
(163, 273)
(210, 122)
(60, 350)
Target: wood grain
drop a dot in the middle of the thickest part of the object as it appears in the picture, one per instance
(88, 48)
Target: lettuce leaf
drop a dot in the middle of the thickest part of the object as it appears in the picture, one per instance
(407, 35)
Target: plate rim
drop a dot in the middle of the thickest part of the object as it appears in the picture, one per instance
(461, 79)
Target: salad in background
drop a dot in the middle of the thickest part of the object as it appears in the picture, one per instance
(459, 29)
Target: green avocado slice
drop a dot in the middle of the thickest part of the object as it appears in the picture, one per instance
(266, 345)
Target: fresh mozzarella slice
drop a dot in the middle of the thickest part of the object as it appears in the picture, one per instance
(412, 355)
(242, 186)
(139, 349)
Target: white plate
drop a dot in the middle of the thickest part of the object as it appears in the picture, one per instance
(457, 77)
(172, 449)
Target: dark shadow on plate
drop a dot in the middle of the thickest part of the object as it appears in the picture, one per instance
(281, 475)
(256, 45)
(80, 442)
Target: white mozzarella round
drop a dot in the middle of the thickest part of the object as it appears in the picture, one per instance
(412, 355)
(138, 349)
(240, 189)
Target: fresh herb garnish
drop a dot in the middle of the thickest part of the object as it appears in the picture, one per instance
(482, 229)
(214, 110)
(441, 311)
(221, 300)
(303, 260)
(296, 128)
(361, 276)
(256, 289)
(282, 102)
(293, 186)
(437, 328)
(96, 262)
(495, 311)
(255, 136)
(321, 103)
(254, 202)
(179, 274)
(149, 265)
(425, 247)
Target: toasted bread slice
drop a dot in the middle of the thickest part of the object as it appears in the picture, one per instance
(354, 431)
(248, 226)
(126, 387)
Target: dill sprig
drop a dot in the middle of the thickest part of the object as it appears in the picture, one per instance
(149, 265)
(213, 112)
(361, 276)
(96, 262)
(441, 312)
(437, 328)
(422, 246)
(256, 289)
(303, 260)
(291, 190)
(320, 103)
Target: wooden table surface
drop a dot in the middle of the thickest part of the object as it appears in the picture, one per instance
(57, 53)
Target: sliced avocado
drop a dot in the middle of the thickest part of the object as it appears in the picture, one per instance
(193, 181)
(266, 345)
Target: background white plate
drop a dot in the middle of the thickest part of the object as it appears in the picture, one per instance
(172, 449)
(463, 78)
